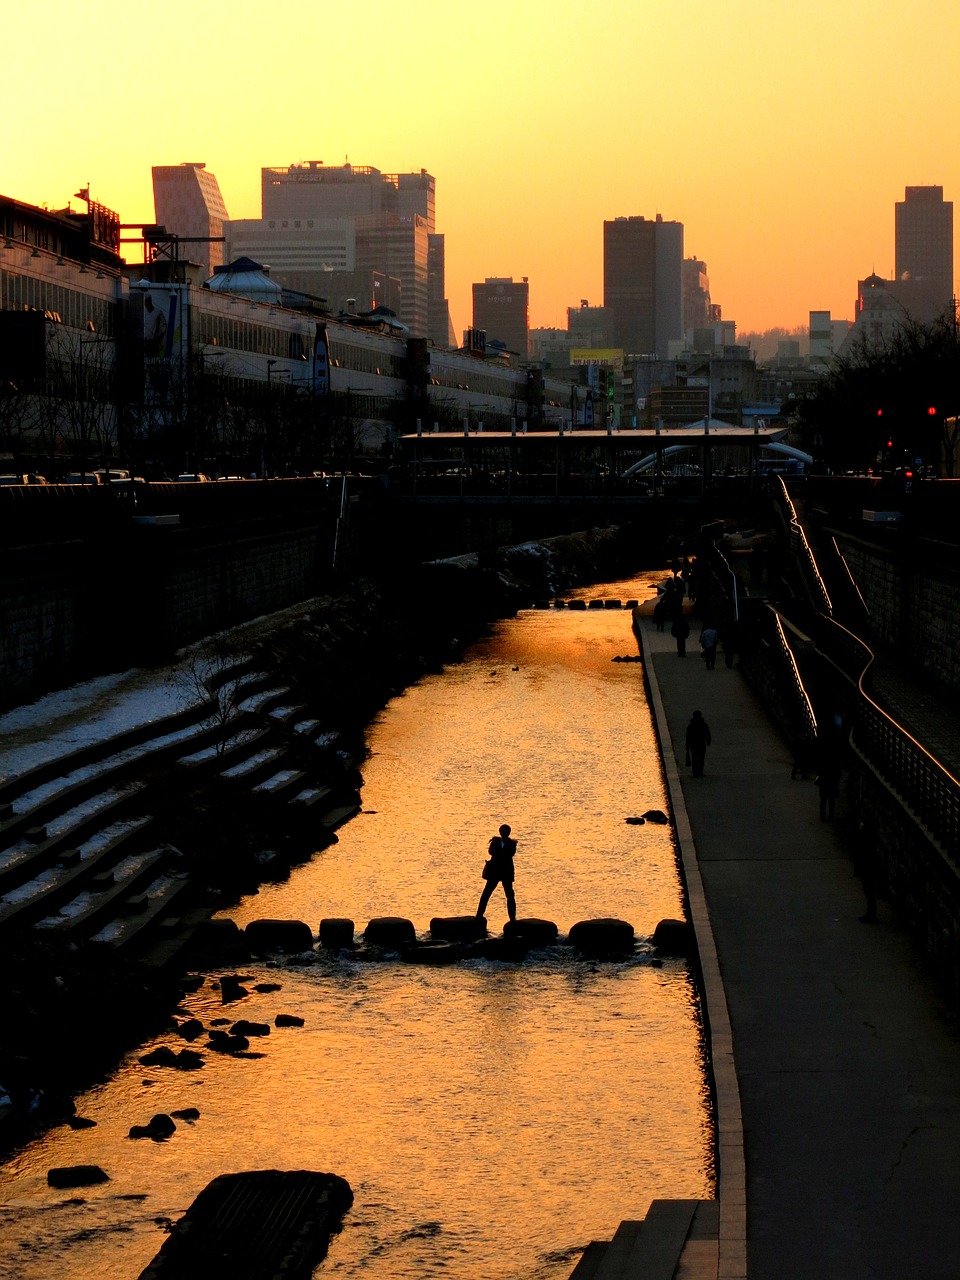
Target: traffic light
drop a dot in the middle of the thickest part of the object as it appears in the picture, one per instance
(610, 384)
(602, 384)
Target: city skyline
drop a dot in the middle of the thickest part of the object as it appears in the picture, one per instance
(781, 140)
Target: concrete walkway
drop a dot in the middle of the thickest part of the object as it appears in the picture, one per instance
(839, 1051)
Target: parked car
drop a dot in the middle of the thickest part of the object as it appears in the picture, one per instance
(80, 477)
(28, 477)
(192, 477)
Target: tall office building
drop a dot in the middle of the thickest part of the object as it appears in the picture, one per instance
(696, 295)
(312, 190)
(397, 245)
(501, 307)
(924, 252)
(440, 329)
(643, 283)
(187, 201)
(338, 231)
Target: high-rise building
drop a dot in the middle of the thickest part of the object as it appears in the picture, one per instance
(643, 283)
(338, 231)
(188, 203)
(440, 329)
(696, 295)
(312, 190)
(397, 244)
(501, 307)
(924, 252)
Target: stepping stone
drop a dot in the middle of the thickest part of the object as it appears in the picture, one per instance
(390, 932)
(458, 928)
(602, 938)
(336, 933)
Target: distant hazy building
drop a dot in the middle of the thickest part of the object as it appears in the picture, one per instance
(827, 336)
(589, 326)
(501, 307)
(924, 251)
(188, 203)
(878, 315)
(440, 326)
(696, 295)
(299, 251)
(643, 283)
(550, 348)
(312, 190)
(821, 335)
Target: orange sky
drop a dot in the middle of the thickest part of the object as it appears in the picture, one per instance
(780, 135)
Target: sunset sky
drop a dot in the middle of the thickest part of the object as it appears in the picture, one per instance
(780, 135)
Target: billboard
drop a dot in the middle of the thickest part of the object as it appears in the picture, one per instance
(608, 357)
(157, 312)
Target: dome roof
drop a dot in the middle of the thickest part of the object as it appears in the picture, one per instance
(247, 279)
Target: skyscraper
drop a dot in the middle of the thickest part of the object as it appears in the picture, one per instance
(696, 295)
(187, 201)
(642, 283)
(334, 231)
(924, 251)
(501, 307)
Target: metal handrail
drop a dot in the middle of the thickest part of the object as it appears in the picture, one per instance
(800, 546)
(807, 715)
(929, 790)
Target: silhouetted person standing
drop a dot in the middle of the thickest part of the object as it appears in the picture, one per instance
(680, 631)
(708, 643)
(697, 741)
(828, 784)
(498, 869)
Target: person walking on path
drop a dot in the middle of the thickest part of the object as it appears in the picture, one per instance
(828, 784)
(498, 869)
(709, 637)
(680, 631)
(697, 741)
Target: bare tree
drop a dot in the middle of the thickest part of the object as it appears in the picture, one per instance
(76, 408)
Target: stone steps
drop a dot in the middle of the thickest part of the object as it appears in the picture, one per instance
(102, 900)
(143, 913)
(124, 894)
(70, 876)
(678, 1240)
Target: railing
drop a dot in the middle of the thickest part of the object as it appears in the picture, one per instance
(926, 787)
(765, 655)
(929, 790)
(806, 560)
(768, 663)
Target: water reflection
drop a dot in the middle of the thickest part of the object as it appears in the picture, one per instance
(491, 1118)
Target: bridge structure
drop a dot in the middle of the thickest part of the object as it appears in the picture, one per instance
(561, 461)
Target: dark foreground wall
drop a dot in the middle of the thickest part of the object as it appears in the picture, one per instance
(92, 604)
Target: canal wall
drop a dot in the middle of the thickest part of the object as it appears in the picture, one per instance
(93, 584)
(912, 590)
(95, 604)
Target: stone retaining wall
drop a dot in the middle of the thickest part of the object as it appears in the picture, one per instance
(912, 590)
(74, 609)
